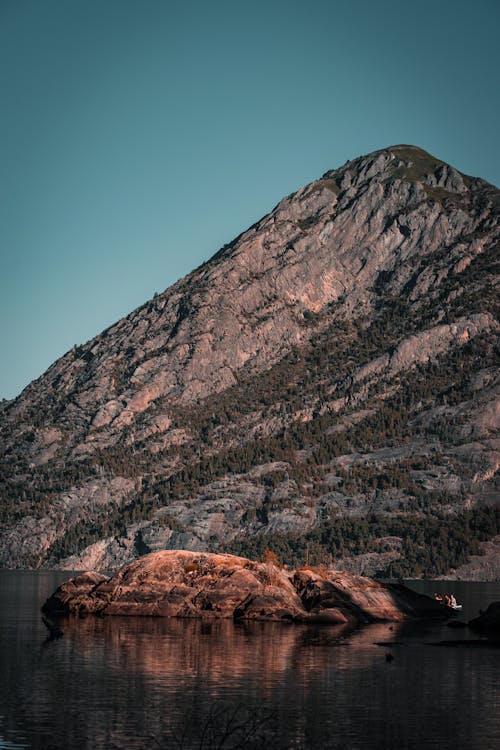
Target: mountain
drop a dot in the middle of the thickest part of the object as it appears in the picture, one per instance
(325, 386)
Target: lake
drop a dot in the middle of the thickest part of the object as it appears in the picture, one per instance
(137, 683)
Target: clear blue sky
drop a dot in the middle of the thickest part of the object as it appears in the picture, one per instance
(138, 136)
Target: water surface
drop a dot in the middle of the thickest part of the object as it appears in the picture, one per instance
(149, 682)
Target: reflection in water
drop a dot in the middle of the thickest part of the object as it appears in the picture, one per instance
(136, 682)
(179, 650)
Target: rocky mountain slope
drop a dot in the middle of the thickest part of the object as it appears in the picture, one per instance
(325, 386)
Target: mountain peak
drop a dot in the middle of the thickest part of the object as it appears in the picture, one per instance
(402, 162)
(336, 357)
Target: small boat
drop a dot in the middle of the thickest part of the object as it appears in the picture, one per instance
(441, 600)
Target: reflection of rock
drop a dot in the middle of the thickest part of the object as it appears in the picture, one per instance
(193, 584)
(489, 621)
(177, 651)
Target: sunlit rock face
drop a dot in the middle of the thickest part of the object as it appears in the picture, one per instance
(190, 584)
(360, 312)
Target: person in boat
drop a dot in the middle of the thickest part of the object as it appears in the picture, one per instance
(438, 598)
(453, 601)
(447, 600)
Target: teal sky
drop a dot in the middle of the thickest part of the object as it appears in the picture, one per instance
(139, 136)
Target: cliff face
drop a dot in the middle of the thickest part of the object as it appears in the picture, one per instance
(336, 358)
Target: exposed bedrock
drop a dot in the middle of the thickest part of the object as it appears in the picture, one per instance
(338, 359)
(178, 583)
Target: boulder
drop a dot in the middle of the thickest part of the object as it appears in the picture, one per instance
(489, 621)
(177, 583)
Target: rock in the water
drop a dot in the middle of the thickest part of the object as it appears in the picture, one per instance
(178, 583)
(489, 621)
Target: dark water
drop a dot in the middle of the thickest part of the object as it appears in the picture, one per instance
(151, 683)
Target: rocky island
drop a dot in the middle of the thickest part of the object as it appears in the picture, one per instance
(180, 583)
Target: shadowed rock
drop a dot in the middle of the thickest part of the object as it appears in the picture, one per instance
(54, 630)
(489, 621)
(177, 583)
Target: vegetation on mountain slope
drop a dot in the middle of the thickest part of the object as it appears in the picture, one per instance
(376, 422)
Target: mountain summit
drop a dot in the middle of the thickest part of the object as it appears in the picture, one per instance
(325, 385)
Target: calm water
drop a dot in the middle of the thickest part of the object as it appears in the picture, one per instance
(150, 683)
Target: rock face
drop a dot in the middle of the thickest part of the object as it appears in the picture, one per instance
(482, 567)
(179, 583)
(488, 622)
(337, 359)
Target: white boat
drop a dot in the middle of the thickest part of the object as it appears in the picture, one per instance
(440, 600)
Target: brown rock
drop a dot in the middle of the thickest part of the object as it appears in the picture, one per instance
(177, 583)
(62, 601)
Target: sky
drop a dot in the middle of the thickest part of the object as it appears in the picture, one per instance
(139, 136)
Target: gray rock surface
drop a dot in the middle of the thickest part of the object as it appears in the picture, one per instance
(361, 309)
(482, 567)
